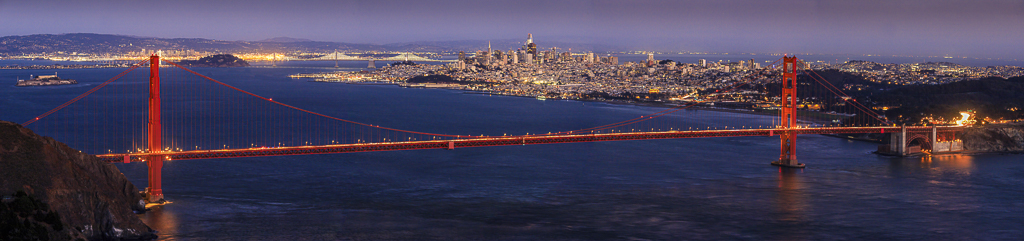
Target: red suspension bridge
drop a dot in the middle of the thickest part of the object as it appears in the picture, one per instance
(189, 115)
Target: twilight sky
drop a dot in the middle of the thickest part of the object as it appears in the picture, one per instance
(977, 28)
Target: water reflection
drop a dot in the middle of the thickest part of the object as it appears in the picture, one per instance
(791, 205)
(791, 202)
(957, 163)
(163, 221)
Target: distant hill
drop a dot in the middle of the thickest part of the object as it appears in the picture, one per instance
(106, 43)
(990, 97)
(220, 60)
(285, 40)
(499, 44)
(91, 43)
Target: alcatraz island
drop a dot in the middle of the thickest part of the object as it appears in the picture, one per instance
(44, 80)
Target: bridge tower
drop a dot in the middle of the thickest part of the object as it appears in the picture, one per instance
(787, 156)
(154, 193)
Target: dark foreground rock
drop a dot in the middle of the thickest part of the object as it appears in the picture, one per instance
(995, 138)
(90, 198)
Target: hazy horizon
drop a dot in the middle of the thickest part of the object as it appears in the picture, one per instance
(985, 29)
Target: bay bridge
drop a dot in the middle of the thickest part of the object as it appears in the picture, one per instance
(336, 56)
(189, 115)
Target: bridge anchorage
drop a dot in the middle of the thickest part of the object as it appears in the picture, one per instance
(919, 141)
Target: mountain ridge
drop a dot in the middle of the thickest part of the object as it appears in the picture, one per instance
(94, 43)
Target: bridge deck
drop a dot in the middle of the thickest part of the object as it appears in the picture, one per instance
(496, 141)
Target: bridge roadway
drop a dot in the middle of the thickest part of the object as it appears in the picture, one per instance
(499, 141)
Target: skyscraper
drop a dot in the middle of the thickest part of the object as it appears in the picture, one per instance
(482, 57)
(702, 63)
(489, 53)
(530, 47)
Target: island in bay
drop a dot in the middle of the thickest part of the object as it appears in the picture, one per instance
(219, 60)
(44, 80)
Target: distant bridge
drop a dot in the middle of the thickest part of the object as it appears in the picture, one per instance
(336, 56)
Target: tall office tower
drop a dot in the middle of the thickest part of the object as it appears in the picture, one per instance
(702, 63)
(530, 47)
(752, 67)
(490, 54)
(613, 60)
(515, 57)
(483, 57)
(650, 57)
(528, 58)
(462, 56)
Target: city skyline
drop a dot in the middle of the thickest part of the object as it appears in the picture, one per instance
(921, 28)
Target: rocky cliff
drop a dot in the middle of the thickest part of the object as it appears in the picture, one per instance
(92, 199)
(995, 138)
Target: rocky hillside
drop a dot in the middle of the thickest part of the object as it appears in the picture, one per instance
(995, 138)
(91, 199)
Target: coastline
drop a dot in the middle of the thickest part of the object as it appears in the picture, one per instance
(613, 102)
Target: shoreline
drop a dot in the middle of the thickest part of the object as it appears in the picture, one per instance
(58, 66)
(613, 102)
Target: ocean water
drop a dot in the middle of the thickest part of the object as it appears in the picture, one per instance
(683, 189)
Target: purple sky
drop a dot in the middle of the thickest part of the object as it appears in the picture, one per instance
(978, 28)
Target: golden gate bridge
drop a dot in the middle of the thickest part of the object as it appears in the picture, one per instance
(189, 115)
